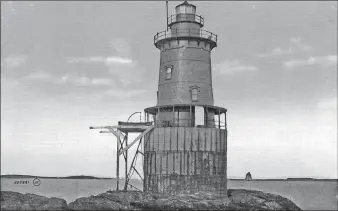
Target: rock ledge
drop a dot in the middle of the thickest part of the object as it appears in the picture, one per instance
(18, 201)
(239, 199)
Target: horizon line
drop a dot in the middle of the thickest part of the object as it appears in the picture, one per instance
(229, 177)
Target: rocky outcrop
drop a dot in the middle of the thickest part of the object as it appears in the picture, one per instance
(256, 200)
(113, 200)
(133, 200)
(18, 201)
(237, 199)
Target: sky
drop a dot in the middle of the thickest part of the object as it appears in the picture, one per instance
(66, 66)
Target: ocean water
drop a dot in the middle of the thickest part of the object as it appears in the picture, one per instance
(308, 195)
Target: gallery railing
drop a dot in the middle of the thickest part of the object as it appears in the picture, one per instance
(187, 122)
(184, 115)
(190, 33)
(185, 18)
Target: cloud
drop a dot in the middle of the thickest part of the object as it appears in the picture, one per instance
(298, 46)
(71, 79)
(101, 81)
(76, 74)
(83, 80)
(39, 76)
(122, 47)
(100, 60)
(122, 51)
(325, 61)
(232, 67)
(118, 60)
(13, 61)
(120, 66)
(277, 52)
(301, 46)
(328, 103)
(123, 72)
(115, 94)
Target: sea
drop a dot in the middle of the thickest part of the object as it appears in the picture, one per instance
(308, 195)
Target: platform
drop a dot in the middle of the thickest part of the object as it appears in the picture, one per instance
(133, 127)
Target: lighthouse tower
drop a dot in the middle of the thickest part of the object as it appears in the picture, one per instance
(187, 149)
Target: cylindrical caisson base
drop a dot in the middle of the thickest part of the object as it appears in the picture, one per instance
(185, 160)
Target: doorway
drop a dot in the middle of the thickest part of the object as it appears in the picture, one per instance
(199, 116)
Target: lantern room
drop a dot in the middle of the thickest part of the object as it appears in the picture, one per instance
(185, 8)
(185, 13)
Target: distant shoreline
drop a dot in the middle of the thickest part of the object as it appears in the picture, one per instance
(18, 176)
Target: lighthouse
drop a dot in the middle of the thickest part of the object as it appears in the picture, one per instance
(186, 151)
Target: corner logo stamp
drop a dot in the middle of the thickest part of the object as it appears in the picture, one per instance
(36, 182)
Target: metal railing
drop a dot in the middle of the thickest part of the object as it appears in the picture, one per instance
(193, 33)
(187, 122)
(185, 18)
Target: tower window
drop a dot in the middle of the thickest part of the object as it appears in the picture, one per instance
(168, 72)
(194, 93)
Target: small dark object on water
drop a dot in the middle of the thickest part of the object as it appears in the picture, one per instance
(248, 176)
